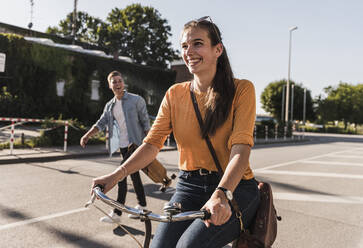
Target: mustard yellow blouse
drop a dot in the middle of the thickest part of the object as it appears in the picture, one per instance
(177, 115)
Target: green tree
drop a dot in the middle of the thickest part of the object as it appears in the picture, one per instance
(343, 103)
(88, 28)
(137, 32)
(140, 33)
(358, 104)
(271, 100)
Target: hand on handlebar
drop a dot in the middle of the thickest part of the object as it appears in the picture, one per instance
(219, 209)
(107, 182)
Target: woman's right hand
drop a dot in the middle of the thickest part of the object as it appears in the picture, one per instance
(107, 182)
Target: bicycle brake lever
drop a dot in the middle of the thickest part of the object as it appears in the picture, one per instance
(93, 196)
(91, 201)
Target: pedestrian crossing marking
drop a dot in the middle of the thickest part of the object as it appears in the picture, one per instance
(318, 198)
(302, 160)
(42, 218)
(346, 156)
(310, 174)
(331, 163)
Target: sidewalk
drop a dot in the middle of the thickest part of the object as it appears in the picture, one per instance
(47, 154)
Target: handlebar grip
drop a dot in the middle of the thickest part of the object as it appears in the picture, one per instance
(206, 214)
(100, 186)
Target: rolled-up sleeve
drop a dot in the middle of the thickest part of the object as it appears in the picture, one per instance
(162, 125)
(142, 113)
(103, 120)
(244, 115)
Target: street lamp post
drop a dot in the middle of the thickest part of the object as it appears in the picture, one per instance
(288, 78)
(304, 113)
(292, 102)
(283, 102)
(304, 108)
(74, 23)
(30, 25)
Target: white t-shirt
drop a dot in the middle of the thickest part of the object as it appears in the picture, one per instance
(119, 116)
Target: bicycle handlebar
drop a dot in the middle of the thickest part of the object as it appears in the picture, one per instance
(146, 214)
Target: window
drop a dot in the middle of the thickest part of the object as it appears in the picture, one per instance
(95, 90)
(60, 87)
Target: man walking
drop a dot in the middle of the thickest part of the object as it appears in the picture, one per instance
(127, 120)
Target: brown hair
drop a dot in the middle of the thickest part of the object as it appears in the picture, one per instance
(112, 74)
(221, 93)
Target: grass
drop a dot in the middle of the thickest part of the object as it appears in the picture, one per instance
(332, 127)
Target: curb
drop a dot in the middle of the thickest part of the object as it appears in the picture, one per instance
(63, 156)
(70, 155)
(49, 158)
(287, 141)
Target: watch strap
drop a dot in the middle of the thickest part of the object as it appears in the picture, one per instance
(226, 191)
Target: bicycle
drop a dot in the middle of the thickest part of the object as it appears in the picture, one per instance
(173, 213)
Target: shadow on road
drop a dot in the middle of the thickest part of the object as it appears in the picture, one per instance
(69, 237)
(121, 232)
(293, 188)
(68, 171)
(152, 190)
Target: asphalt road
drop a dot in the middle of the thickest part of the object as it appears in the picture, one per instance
(317, 189)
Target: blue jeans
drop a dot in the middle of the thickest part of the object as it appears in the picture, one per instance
(193, 191)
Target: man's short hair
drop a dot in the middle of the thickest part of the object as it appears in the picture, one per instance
(112, 74)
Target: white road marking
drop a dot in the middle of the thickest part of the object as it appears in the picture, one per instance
(301, 160)
(318, 198)
(331, 163)
(345, 156)
(43, 218)
(310, 174)
(360, 245)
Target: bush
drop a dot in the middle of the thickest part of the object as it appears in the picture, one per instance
(271, 125)
(53, 135)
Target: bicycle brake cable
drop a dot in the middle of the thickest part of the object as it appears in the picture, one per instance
(123, 228)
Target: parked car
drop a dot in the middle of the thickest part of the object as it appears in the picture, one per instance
(261, 118)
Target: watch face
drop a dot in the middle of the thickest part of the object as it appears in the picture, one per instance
(229, 195)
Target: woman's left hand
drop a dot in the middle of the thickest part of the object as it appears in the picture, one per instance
(219, 209)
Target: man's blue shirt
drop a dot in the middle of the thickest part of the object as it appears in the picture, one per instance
(136, 118)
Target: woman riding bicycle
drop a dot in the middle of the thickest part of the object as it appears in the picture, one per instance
(227, 106)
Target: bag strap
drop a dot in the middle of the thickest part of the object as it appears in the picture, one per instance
(207, 140)
(214, 155)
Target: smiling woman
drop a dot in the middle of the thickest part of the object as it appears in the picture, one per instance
(227, 107)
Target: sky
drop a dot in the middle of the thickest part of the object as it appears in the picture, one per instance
(327, 47)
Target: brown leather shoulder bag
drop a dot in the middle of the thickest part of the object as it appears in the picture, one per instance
(263, 230)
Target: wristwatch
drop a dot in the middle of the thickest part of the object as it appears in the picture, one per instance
(226, 192)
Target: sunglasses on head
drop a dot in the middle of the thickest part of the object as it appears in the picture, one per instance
(205, 18)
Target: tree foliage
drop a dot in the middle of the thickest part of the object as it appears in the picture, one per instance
(87, 28)
(140, 33)
(344, 103)
(271, 100)
(137, 32)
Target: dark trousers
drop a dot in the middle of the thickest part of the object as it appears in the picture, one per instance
(122, 187)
